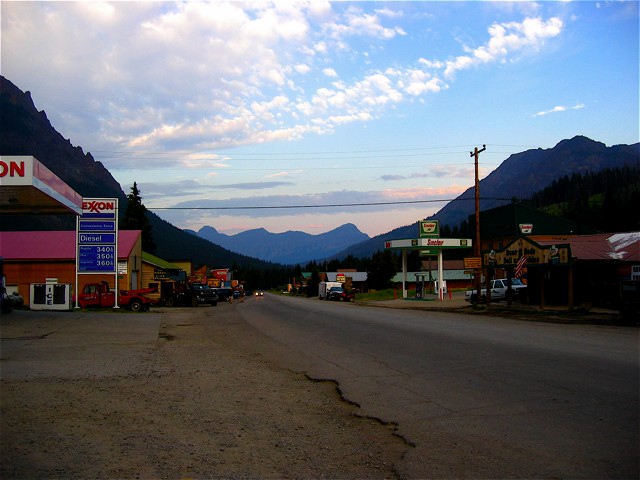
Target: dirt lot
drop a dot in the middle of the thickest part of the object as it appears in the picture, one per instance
(191, 405)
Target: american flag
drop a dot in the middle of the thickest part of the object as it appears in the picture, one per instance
(519, 266)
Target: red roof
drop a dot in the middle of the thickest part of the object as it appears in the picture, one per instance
(606, 246)
(54, 245)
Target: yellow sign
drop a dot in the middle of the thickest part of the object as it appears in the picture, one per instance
(535, 254)
(473, 263)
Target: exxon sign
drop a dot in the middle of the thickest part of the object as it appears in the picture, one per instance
(98, 205)
(93, 208)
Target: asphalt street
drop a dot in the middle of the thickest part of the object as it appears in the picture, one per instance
(478, 396)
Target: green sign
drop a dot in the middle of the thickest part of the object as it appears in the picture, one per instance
(429, 228)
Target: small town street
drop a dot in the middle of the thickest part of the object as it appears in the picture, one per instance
(280, 386)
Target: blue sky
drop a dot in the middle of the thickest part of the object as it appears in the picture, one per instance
(371, 105)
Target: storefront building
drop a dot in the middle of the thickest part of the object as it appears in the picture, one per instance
(34, 257)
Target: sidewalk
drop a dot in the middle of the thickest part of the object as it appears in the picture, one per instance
(550, 313)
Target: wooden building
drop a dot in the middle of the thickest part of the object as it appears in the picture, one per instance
(565, 263)
(33, 257)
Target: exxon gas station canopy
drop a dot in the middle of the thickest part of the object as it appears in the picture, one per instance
(28, 187)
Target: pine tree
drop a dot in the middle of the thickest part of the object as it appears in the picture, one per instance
(383, 267)
(135, 218)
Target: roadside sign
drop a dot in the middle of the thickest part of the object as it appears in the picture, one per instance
(433, 244)
(429, 228)
(97, 226)
(96, 258)
(473, 263)
(97, 236)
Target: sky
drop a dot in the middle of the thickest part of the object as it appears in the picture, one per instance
(305, 116)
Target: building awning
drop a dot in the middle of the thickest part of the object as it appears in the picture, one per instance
(605, 246)
(28, 187)
(55, 245)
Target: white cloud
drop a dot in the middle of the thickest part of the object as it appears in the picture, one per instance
(559, 108)
(359, 23)
(330, 72)
(302, 68)
(506, 39)
(201, 76)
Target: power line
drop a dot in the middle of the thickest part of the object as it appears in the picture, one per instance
(316, 152)
(223, 169)
(328, 205)
(320, 152)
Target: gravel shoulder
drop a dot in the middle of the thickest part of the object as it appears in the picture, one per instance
(176, 400)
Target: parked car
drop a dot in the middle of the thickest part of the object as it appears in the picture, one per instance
(630, 300)
(17, 300)
(9, 302)
(339, 294)
(224, 293)
(499, 289)
(194, 294)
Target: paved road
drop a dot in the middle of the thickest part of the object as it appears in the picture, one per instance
(478, 396)
(80, 344)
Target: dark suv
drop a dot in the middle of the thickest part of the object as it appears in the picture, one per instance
(193, 294)
(339, 294)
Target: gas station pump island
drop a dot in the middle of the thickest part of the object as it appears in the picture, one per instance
(430, 244)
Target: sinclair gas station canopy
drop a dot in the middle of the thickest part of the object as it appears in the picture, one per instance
(28, 187)
(429, 243)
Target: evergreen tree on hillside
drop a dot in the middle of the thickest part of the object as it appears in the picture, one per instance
(383, 267)
(135, 218)
(605, 200)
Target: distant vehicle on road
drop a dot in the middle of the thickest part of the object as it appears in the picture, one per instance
(259, 293)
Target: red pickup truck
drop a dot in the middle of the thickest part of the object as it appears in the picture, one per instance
(100, 295)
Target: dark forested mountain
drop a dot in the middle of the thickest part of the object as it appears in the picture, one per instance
(26, 131)
(289, 247)
(523, 174)
(518, 178)
(607, 201)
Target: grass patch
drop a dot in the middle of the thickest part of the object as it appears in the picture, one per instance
(381, 295)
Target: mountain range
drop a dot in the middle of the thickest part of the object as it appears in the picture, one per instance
(289, 248)
(26, 131)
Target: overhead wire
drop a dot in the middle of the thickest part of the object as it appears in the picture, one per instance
(327, 205)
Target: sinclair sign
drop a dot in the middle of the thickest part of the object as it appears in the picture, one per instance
(429, 228)
(430, 243)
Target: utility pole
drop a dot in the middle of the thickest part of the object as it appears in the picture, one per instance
(477, 249)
